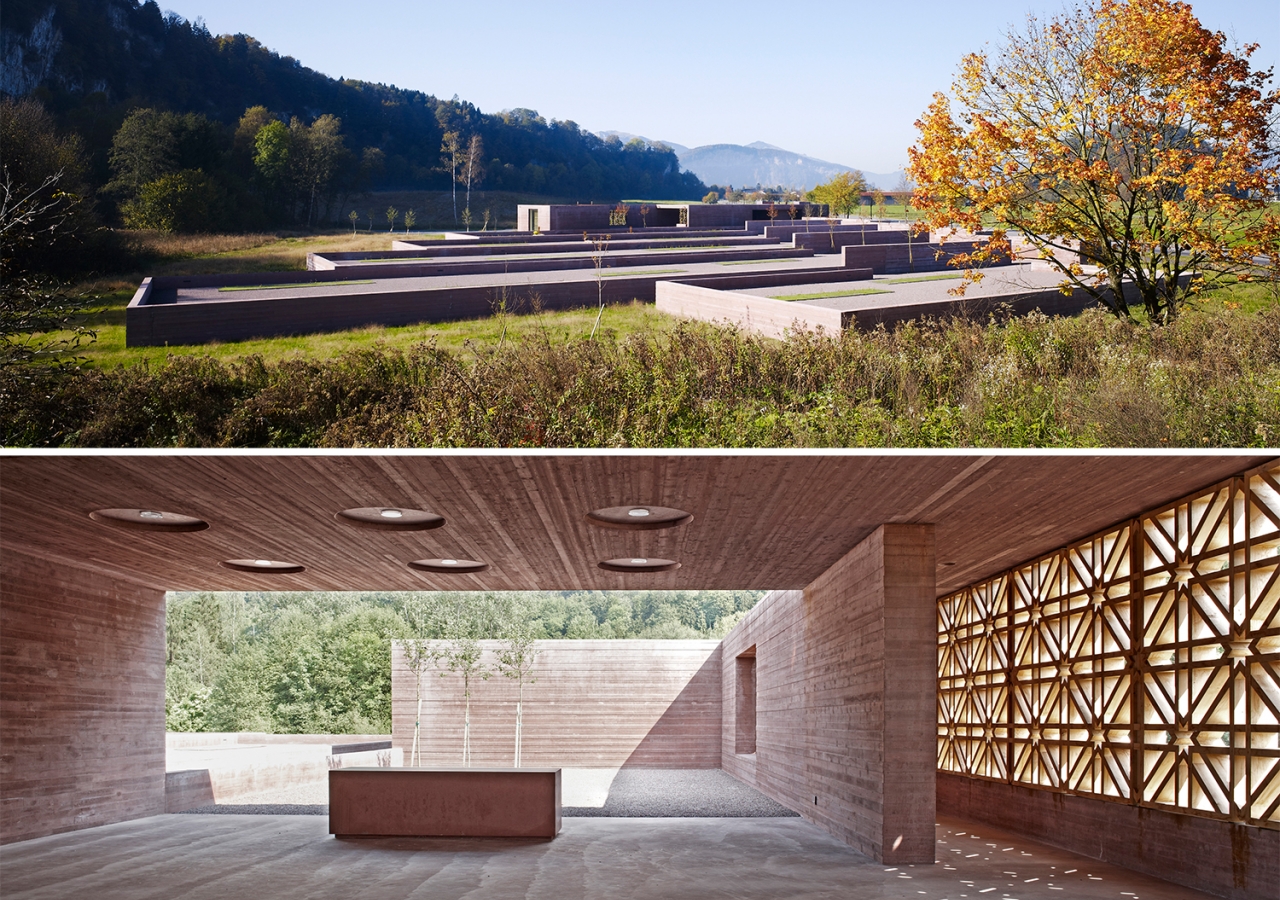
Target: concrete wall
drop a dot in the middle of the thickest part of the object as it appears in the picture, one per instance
(81, 699)
(1237, 861)
(826, 241)
(544, 217)
(898, 258)
(595, 704)
(762, 315)
(846, 675)
(736, 215)
(197, 323)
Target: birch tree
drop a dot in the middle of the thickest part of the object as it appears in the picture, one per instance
(473, 167)
(451, 147)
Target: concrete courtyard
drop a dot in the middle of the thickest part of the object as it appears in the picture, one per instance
(193, 857)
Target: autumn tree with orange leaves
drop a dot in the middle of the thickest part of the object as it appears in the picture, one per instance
(1125, 133)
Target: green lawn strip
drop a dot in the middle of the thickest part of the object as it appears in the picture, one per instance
(861, 292)
(643, 272)
(620, 320)
(758, 262)
(279, 287)
(913, 279)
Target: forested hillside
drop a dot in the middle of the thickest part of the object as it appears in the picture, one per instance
(298, 663)
(93, 62)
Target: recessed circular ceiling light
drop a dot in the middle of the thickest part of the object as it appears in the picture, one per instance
(148, 519)
(639, 517)
(265, 566)
(390, 518)
(448, 565)
(639, 564)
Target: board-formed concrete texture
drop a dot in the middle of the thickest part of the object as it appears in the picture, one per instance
(845, 669)
(652, 704)
(420, 802)
(844, 708)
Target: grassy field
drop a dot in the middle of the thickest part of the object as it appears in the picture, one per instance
(106, 299)
(825, 295)
(1211, 378)
(434, 209)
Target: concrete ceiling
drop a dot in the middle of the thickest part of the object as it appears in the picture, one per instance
(763, 522)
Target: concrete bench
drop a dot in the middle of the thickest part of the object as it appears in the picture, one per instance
(414, 802)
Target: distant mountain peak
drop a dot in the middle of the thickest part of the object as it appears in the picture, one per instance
(746, 165)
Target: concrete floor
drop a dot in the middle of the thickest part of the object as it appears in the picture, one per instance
(181, 857)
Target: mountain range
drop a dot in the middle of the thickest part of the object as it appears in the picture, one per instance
(758, 163)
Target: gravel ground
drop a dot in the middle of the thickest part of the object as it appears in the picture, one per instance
(678, 793)
(660, 793)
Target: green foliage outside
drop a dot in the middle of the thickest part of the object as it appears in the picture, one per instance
(320, 663)
(149, 94)
(841, 193)
(187, 201)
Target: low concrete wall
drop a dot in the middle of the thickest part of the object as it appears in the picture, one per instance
(1241, 862)
(612, 260)
(185, 740)
(321, 262)
(238, 320)
(1051, 302)
(900, 258)
(811, 226)
(235, 770)
(772, 318)
(775, 279)
(833, 242)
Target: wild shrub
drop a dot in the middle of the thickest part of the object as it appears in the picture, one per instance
(1208, 379)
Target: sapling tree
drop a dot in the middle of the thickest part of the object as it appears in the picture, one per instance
(392, 215)
(419, 655)
(515, 660)
(410, 218)
(487, 216)
(354, 217)
(466, 218)
(600, 249)
(422, 617)
(460, 654)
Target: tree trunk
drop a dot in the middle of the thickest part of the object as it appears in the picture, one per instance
(466, 724)
(416, 752)
(519, 704)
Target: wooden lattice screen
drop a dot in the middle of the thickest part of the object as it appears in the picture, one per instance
(1141, 665)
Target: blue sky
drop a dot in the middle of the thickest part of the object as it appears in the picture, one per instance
(841, 80)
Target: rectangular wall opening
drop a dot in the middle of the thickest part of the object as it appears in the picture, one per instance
(744, 713)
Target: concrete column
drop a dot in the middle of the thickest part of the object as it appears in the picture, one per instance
(846, 681)
(81, 699)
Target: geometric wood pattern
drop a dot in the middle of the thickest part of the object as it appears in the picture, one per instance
(1140, 665)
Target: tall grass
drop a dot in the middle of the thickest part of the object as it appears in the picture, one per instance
(1210, 379)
